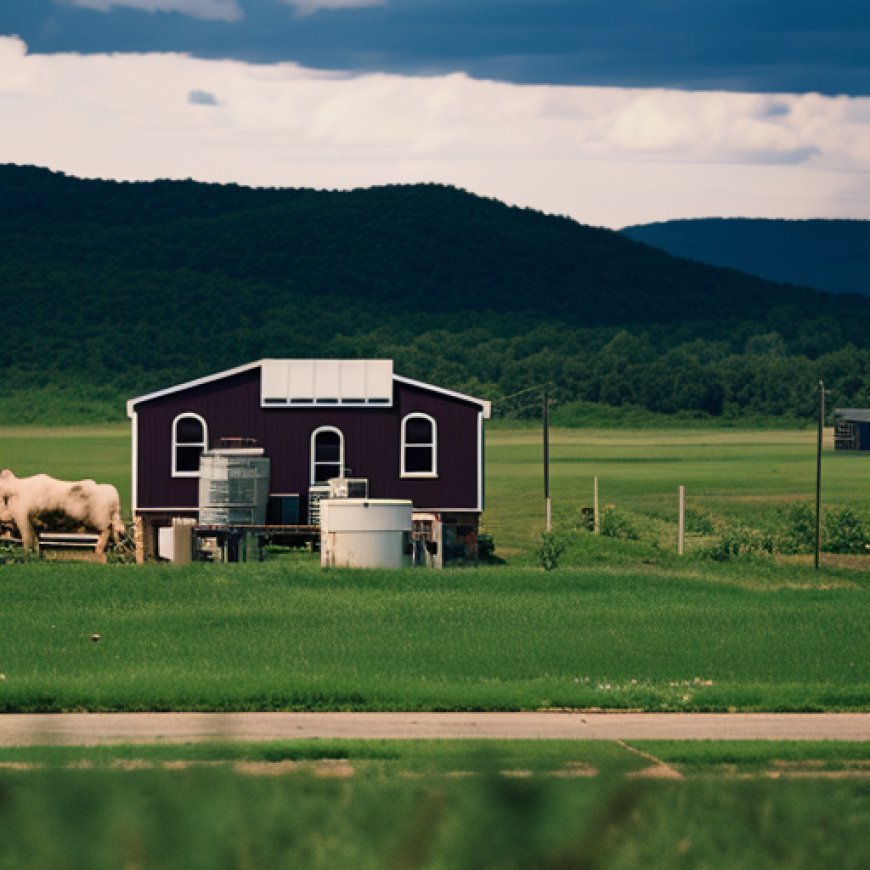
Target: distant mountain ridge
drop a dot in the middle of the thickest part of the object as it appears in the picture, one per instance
(420, 247)
(830, 255)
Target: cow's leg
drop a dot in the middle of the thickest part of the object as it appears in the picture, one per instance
(118, 528)
(29, 538)
(102, 541)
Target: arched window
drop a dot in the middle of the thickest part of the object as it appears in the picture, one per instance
(189, 440)
(327, 454)
(419, 446)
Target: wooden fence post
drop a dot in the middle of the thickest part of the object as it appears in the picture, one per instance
(139, 539)
(596, 517)
(681, 522)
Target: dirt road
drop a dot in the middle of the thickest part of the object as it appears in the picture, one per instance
(87, 729)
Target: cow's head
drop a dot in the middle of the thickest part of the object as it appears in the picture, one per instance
(6, 477)
(7, 486)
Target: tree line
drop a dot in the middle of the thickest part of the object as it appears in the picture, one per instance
(113, 290)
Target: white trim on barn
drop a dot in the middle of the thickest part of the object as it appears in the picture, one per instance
(187, 385)
(134, 465)
(313, 461)
(485, 406)
(208, 379)
(432, 445)
(203, 444)
(480, 447)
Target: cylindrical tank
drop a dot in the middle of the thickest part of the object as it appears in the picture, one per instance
(233, 487)
(364, 533)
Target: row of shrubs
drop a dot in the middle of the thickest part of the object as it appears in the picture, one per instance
(843, 531)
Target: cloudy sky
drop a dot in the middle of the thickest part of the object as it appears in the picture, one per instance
(612, 112)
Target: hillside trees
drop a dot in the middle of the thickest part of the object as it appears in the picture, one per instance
(112, 290)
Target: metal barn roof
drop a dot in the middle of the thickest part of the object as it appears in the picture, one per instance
(300, 383)
(856, 415)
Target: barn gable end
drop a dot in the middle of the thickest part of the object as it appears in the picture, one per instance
(361, 399)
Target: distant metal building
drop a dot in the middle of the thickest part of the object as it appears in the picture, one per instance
(852, 428)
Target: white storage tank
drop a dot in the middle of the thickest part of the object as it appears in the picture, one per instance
(364, 533)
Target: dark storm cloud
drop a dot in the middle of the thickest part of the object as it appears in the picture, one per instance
(746, 45)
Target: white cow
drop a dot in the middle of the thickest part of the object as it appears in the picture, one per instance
(95, 505)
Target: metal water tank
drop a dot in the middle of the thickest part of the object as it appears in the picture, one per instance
(233, 487)
(364, 533)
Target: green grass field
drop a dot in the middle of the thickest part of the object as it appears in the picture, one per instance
(70, 453)
(745, 475)
(436, 804)
(287, 635)
(621, 623)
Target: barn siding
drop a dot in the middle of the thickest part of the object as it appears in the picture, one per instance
(231, 407)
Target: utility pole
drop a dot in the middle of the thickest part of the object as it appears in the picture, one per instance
(545, 412)
(819, 474)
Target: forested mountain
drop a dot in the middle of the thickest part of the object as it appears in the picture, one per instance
(831, 255)
(112, 289)
(424, 248)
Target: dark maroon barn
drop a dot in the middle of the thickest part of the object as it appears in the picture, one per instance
(316, 420)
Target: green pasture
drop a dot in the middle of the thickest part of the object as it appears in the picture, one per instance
(288, 635)
(449, 756)
(70, 453)
(444, 804)
(620, 623)
(745, 475)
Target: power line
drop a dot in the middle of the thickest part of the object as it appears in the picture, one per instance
(518, 393)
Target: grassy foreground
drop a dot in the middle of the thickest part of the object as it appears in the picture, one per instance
(621, 623)
(287, 635)
(445, 804)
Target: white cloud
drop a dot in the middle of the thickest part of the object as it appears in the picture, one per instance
(603, 155)
(209, 10)
(308, 7)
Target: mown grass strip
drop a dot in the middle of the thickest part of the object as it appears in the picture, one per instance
(538, 756)
(291, 636)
